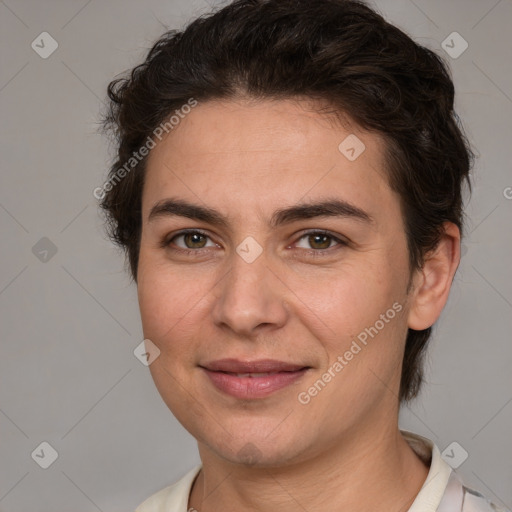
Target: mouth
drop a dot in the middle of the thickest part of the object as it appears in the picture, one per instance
(252, 379)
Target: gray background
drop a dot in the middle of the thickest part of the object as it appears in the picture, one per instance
(70, 324)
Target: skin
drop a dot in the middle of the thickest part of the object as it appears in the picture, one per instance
(246, 159)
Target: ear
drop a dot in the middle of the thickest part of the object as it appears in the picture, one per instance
(432, 283)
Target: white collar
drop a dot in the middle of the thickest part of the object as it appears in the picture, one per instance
(433, 489)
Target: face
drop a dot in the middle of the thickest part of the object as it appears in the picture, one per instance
(281, 326)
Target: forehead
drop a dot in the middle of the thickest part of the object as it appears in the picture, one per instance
(253, 154)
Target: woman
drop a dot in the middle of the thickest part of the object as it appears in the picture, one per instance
(288, 192)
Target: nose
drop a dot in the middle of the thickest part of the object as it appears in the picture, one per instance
(250, 298)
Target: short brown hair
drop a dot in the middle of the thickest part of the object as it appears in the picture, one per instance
(339, 51)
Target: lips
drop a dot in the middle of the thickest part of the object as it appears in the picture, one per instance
(252, 379)
(260, 366)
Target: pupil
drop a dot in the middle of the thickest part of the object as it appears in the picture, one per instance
(317, 239)
(194, 239)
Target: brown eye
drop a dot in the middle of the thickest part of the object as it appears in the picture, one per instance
(319, 241)
(194, 240)
(189, 241)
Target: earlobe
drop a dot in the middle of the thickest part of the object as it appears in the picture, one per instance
(432, 283)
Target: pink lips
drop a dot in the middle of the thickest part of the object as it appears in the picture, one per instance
(252, 379)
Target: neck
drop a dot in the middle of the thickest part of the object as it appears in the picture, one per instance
(367, 471)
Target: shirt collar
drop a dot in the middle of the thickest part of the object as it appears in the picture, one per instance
(433, 490)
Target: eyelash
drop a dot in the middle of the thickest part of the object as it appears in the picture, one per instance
(166, 243)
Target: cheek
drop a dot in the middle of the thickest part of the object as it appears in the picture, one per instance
(365, 304)
(366, 320)
(166, 301)
(350, 298)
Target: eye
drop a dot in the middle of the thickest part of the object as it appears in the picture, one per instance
(320, 241)
(190, 240)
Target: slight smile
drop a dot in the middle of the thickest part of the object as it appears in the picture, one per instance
(252, 379)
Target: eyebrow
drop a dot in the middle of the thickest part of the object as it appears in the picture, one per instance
(326, 208)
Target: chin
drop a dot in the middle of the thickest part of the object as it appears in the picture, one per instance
(259, 450)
